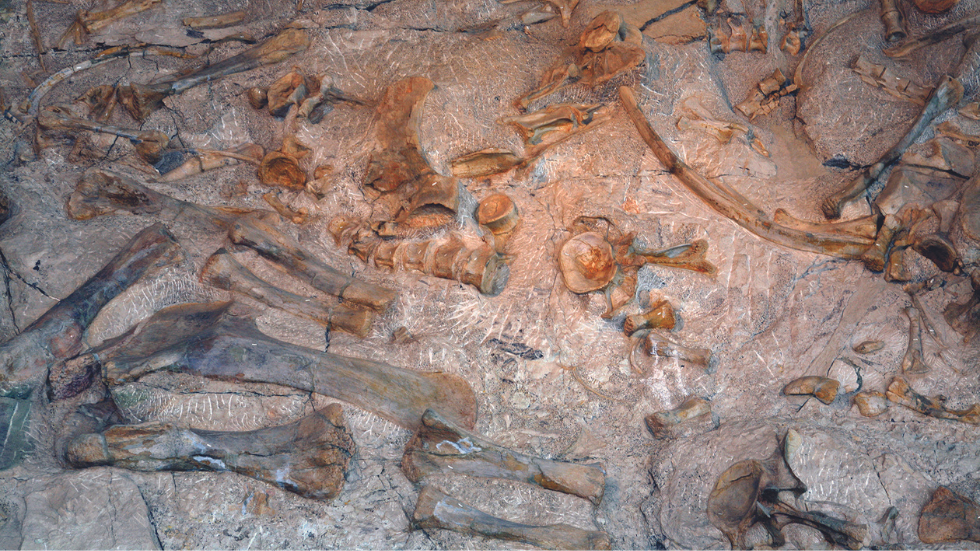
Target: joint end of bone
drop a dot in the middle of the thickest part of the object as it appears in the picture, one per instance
(822, 388)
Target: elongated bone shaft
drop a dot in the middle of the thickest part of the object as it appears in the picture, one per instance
(440, 446)
(215, 21)
(206, 340)
(901, 393)
(688, 257)
(894, 21)
(288, 253)
(658, 345)
(912, 362)
(308, 457)
(437, 509)
(733, 205)
(222, 270)
(934, 37)
(25, 360)
(660, 316)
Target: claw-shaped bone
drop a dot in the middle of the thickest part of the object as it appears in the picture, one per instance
(437, 509)
(440, 446)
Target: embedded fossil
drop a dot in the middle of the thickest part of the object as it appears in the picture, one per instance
(36, 352)
(949, 517)
(485, 162)
(556, 123)
(469, 261)
(901, 393)
(281, 168)
(437, 509)
(211, 341)
(971, 110)
(765, 100)
(661, 423)
(141, 100)
(737, 40)
(498, 213)
(660, 316)
(321, 95)
(440, 446)
(912, 362)
(149, 143)
(656, 344)
(308, 457)
(965, 317)
(871, 403)
(869, 347)
(296, 216)
(935, 6)
(885, 78)
(206, 160)
(822, 388)
(288, 90)
(934, 37)
(223, 271)
(894, 21)
(87, 22)
(215, 21)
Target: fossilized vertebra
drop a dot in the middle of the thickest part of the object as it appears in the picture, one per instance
(737, 40)
(883, 77)
(498, 213)
(656, 344)
(660, 316)
(765, 100)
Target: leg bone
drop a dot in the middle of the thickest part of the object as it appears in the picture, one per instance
(901, 393)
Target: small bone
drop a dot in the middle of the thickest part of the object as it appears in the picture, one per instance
(308, 457)
(876, 255)
(215, 21)
(822, 388)
(142, 100)
(660, 316)
(149, 143)
(661, 423)
(912, 362)
(738, 40)
(949, 517)
(498, 213)
(556, 123)
(206, 160)
(440, 446)
(901, 393)
(871, 403)
(258, 98)
(934, 37)
(322, 94)
(288, 90)
(278, 169)
(87, 22)
(485, 162)
(965, 317)
(298, 216)
(286, 252)
(971, 111)
(734, 206)
(658, 345)
(869, 347)
(210, 341)
(57, 335)
(885, 78)
(224, 272)
(894, 21)
(436, 509)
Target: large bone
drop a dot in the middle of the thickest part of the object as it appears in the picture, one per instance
(440, 446)
(285, 251)
(901, 393)
(949, 517)
(308, 457)
(437, 509)
(149, 143)
(556, 123)
(223, 271)
(143, 99)
(734, 206)
(207, 340)
(87, 22)
(25, 360)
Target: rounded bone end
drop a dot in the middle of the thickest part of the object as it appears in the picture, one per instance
(822, 388)
(871, 404)
(498, 213)
(280, 170)
(586, 262)
(88, 450)
(257, 97)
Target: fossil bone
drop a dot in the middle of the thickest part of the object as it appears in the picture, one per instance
(439, 446)
(964, 317)
(556, 123)
(901, 393)
(485, 162)
(935, 37)
(287, 253)
(733, 205)
(279, 169)
(296, 216)
(822, 388)
(223, 271)
(437, 509)
(57, 335)
(885, 78)
(308, 457)
(949, 517)
(871, 403)
(869, 347)
(498, 213)
(935, 6)
(912, 362)
(215, 21)
(206, 160)
(87, 22)
(656, 344)
(737, 40)
(149, 143)
(143, 99)
(210, 341)
(971, 110)
(660, 316)
(257, 97)
(321, 94)
(661, 423)
(894, 21)
(288, 90)
(765, 99)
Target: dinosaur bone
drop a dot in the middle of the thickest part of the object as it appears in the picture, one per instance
(57, 335)
(656, 344)
(912, 362)
(149, 143)
(286, 252)
(87, 22)
(901, 393)
(223, 271)
(660, 316)
(894, 21)
(556, 123)
(935, 37)
(439, 446)
(737, 40)
(210, 341)
(822, 388)
(437, 509)
(215, 21)
(949, 517)
(206, 160)
(661, 423)
(485, 162)
(308, 457)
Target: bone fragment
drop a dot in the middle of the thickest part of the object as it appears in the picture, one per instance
(971, 110)
(215, 21)
(32, 355)
(279, 169)
(321, 95)
(87, 22)
(286, 252)
(876, 255)
(894, 21)
(871, 403)
(556, 123)
(149, 143)
(498, 213)
(586, 262)
(288, 90)
(901, 393)
(142, 100)
(661, 423)
(885, 78)
(436, 509)
(308, 457)
(298, 216)
(869, 347)
(822, 388)
(738, 40)
(257, 97)
(912, 362)
(658, 345)
(206, 160)
(210, 341)
(934, 37)
(949, 517)
(733, 205)
(440, 446)
(935, 6)
(485, 162)
(660, 316)
(223, 271)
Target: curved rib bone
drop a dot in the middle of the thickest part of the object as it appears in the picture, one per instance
(439, 446)
(308, 457)
(437, 509)
(223, 271)
(25, 360)
(734, 206)
(285, 251)
(206, 340)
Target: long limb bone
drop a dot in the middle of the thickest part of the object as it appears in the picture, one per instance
(285, 251)
(209, 341)
(734, 206)
(440, 446)
(901, 393)
(149, 143)
(912, 362)
(87, 22)
(437, 509)
(25, 360)
(308, 457)
(935, 37)
(222, 270)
